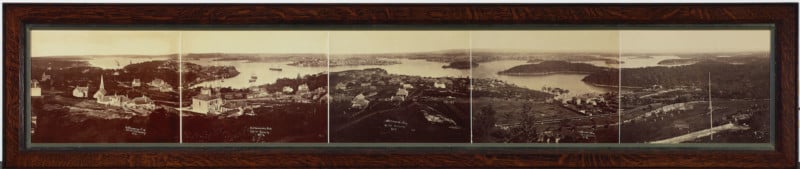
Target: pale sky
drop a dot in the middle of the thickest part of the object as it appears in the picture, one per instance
(122, 42)
(365, 42)
(102, 42)
(247, 41)
(606, 41)
(694, 41)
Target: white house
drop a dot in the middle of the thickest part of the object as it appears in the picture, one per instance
(439, 85)
(136, 83)
(302, 88)
(156, 82)
(206, 102)
(400, 95)
(35, 89)
(80, 92)
(287, 89)
(143, 102)
(114, 100)
(255, 89)
(257, 92)
(360, 101)
(160, 85)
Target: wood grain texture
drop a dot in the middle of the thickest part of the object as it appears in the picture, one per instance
(783, 16)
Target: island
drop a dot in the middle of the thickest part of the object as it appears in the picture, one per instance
(355, 61)
(671, 62)
(552, 67)
(461, 65)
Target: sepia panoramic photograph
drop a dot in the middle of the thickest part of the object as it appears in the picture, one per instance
(400, 86)
(695, 86)
(538, 86)
(254, 86)
(104, 86)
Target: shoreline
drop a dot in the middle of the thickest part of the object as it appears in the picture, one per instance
(612, 86)
(543, 73)
(340, 65)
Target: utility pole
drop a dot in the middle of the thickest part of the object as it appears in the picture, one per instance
(710, 106)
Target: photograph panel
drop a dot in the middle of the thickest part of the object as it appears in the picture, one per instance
(400, 86)
(545, 86)
(695, 86)
(104, 86)
(254, 86)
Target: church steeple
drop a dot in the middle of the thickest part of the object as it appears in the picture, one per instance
(102, 86)
(101, 92)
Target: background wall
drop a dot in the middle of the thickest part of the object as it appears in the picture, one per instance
(375, 1)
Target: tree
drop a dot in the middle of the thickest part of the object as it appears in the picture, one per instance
(527, 129)
(484, 122)
(161, 126)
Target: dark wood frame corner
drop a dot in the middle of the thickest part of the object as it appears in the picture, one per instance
(782, 15)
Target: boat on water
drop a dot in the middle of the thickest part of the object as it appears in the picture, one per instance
(275, 69)
(253, 78)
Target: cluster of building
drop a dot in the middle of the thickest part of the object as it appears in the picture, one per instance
(586, 104)
(589, 105)
(101, 96)
(403, 89)
(372, 78)
(212, 101)
(659, 94)
(487, 84)
(367, 83)
(664, 109)
(489, 87)
(303, 94)
(310, 62)
(577, 100)
(158, 84)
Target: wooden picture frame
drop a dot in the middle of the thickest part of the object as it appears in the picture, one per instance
(783, 17)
